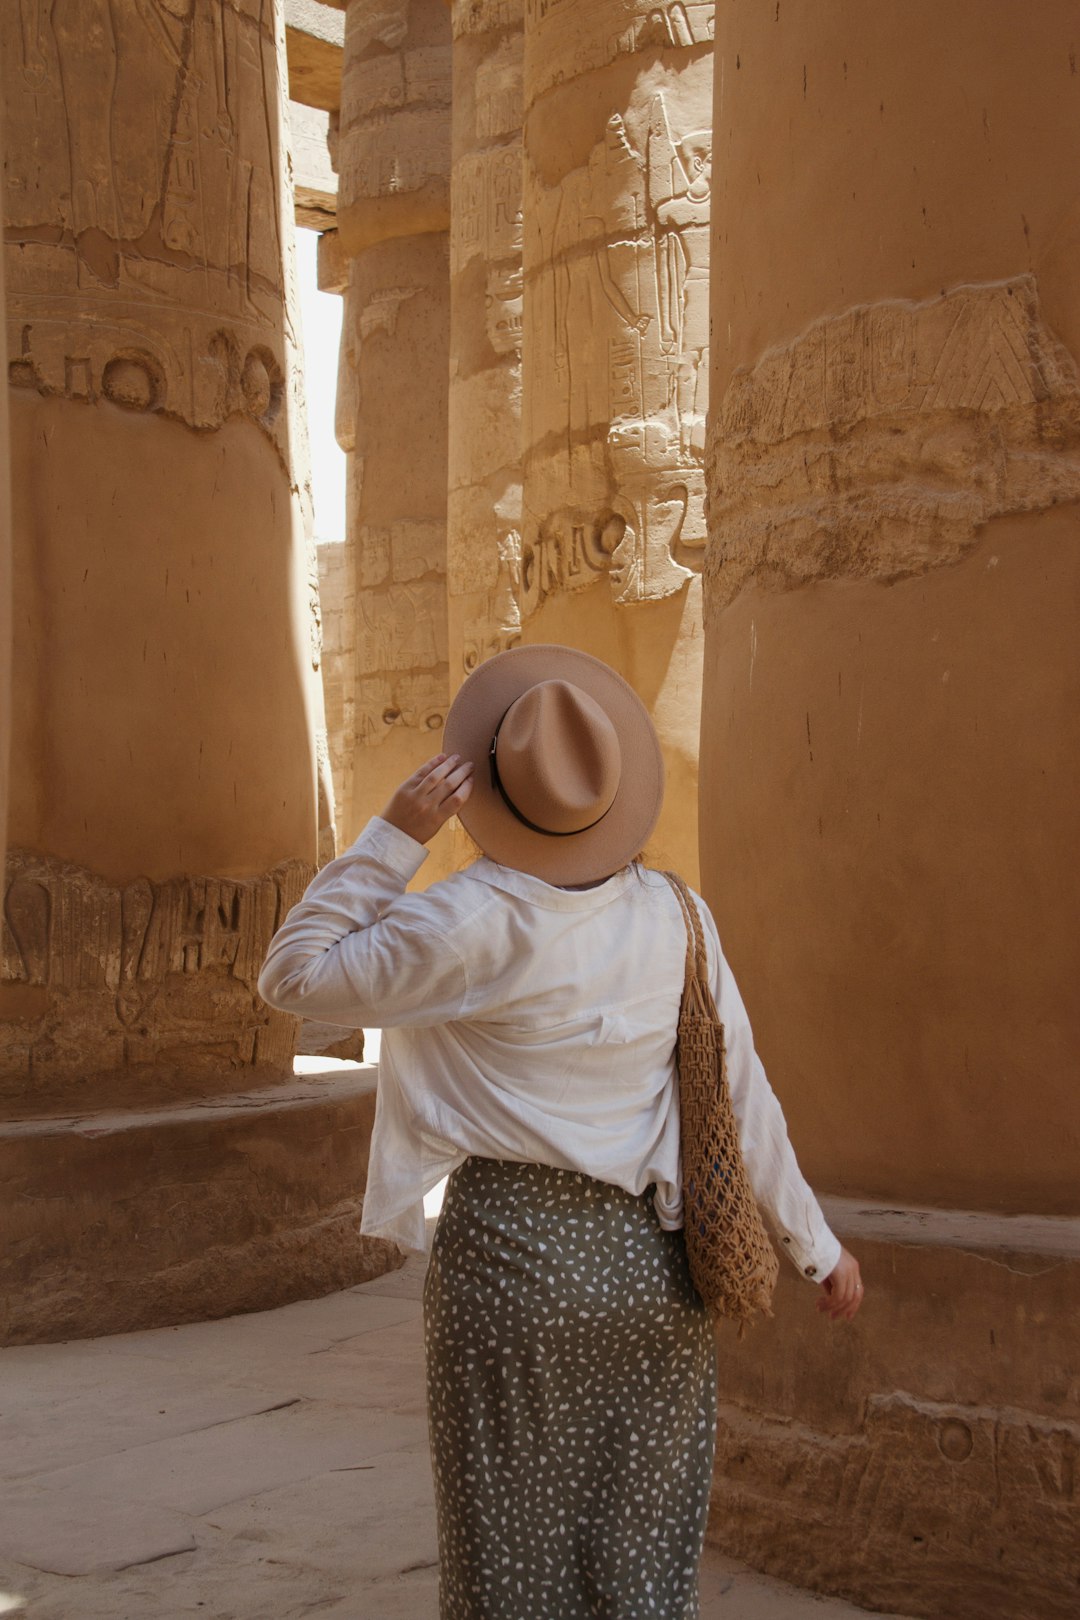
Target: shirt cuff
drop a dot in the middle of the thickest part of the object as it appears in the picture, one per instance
(392, 848)
(816, 1260)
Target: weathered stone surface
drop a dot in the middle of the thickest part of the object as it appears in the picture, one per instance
(393, 152)
(121, 140)
(920, 1478)
(395, 336)
(67, 1539)
(616, 267)
(164, 812)
(332, 264)
(337, 591)
(393, 156)
(114, 994)
(889, 769)
(616, 205)
(578, 356)
(572, 40)
(313, 179)
(486, 296)
(882, 440)
(238, 1201)
(330, 1041)
(5, 579)
(929, 1464)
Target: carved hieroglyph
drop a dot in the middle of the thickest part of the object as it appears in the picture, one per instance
(903, 1485)
(142, 203)
(150, 293)
(572, 39)
(152, 981)
(616, 304)
(486, 320)
(881, 440)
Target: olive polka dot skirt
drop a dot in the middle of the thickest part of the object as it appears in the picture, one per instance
(572, 1401)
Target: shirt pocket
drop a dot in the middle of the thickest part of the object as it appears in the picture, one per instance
(601, 1049)
(631, 1045)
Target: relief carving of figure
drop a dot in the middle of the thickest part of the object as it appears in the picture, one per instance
(623, 305)
(683, 277)
(586, 264)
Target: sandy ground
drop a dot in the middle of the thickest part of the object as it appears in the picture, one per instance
(272, 1465)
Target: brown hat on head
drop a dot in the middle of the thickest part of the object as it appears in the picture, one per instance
(569, 780)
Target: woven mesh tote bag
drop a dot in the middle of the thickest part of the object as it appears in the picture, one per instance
(733, 1265)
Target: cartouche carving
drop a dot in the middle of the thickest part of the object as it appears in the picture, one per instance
(144, 262)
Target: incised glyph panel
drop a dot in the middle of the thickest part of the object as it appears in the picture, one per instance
(882, 439)
(144, 260)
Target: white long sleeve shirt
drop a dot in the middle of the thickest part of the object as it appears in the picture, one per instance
(525, 1022)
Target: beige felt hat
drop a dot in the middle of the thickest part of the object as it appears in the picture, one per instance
(569, 779)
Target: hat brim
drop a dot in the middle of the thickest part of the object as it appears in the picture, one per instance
(582, 857)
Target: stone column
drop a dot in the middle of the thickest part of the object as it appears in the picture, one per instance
(163, 810)
(5, 575)
(616, 204)
(889, 779)
(484, 503)
(393, 216)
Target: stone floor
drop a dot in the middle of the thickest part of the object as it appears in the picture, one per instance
(266, 1465)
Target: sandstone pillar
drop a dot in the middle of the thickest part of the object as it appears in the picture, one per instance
(163, 788)
(393, 219)
(889, 774)
(616, 207)
(5, 581)
(484, 499)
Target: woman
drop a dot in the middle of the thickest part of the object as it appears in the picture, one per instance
(530, 1006)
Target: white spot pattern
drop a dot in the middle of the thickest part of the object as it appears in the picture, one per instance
(571, 1399)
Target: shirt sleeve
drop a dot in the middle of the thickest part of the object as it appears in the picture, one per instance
(355, 952)
(778, 1184)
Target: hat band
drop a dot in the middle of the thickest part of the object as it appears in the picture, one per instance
(496, 782)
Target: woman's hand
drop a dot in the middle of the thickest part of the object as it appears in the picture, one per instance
(430, 797)
(842, 1290)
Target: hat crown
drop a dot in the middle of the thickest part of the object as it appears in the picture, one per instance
(558, 758)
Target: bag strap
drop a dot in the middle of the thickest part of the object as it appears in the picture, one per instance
(697, 962)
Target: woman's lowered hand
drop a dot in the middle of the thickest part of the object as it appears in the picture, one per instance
(430, 796)
(842, 1290)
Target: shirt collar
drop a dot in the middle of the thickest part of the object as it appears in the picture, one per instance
(538, 893)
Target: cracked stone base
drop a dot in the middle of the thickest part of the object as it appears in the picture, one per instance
(123, 1221)
(926, 1457)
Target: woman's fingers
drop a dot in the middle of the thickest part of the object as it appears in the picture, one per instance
(451, 784)
(439, 774)
(425, 770)
(460, 794)
(430, 796)
(848, 1303)
(838, 1308)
